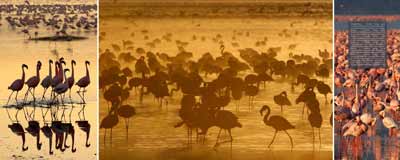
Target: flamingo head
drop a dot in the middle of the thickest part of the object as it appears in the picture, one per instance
(265, 107)
(24, 66)
(284, 93)
(51, 61)
(62, 61)
(39, 64)
(73, 62)
(87, 62)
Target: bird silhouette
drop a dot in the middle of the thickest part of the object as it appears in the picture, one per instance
(315, 119)
(33, 82)
(109, 122)
(277, 122)
(17, 85)
(85, 127)
(84, 82)
(126, 111)
(71, 80)
(49, 134)
(46, 82)
(61, 88)
(281, 99)
(226, 120)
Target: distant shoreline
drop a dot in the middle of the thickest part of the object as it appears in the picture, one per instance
(204, 9)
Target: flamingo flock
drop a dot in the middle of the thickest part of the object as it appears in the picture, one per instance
(207, 84)
(59, 20)
(366, 101)
(59, 83)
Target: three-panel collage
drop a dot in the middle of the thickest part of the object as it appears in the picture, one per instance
(200, 79)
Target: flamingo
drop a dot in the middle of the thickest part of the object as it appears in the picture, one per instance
(46, 82)
(61, 88)
(33, 82)
(277, 122)
(388, 122)
(315, 119)
(281, 100)
(84, 82)
(109, 122)
(17, 85)
(71, 80)
(126, 111)
(226, 120)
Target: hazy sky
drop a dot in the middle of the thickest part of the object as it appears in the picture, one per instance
(49, 1)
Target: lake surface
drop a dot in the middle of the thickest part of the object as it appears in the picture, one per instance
(151, 133)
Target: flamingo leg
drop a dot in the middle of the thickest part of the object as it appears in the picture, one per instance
(319, 134)
(219, 133)
(273, 138)
(9, 97)
(291, 141)
(44, 93)
(26, 94)
(16, 100)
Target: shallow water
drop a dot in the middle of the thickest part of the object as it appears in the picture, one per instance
(151, 134)
(11, 143)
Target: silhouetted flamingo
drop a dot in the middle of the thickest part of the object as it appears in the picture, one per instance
(71, 80)
(126, 111)
(277, 122)
(226, 120)
(33, 82)
(60, 89)
(315, 119)
(109, 122)
(17, 85)
(46, 82)
(84, 82)
(281, 100)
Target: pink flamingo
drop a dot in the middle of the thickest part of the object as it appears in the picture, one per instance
(33, 82)
(84, 82)
(17, 85)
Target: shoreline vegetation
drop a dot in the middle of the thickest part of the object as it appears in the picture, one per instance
(210, 10)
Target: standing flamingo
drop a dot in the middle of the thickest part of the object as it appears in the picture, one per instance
(84, 82)
(17, 85)
(126, 111)
(277, 122)
(33, 82)
(60, 89)
(226, 120)
(71, 80)
(46, 82)
(109, 122)
(17, 129)
(281, 99)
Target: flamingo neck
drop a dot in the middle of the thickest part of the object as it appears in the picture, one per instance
(87, 71)
(50, 69)
(72, 68)
(37, 72)
(23, 74)
(60, 70)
